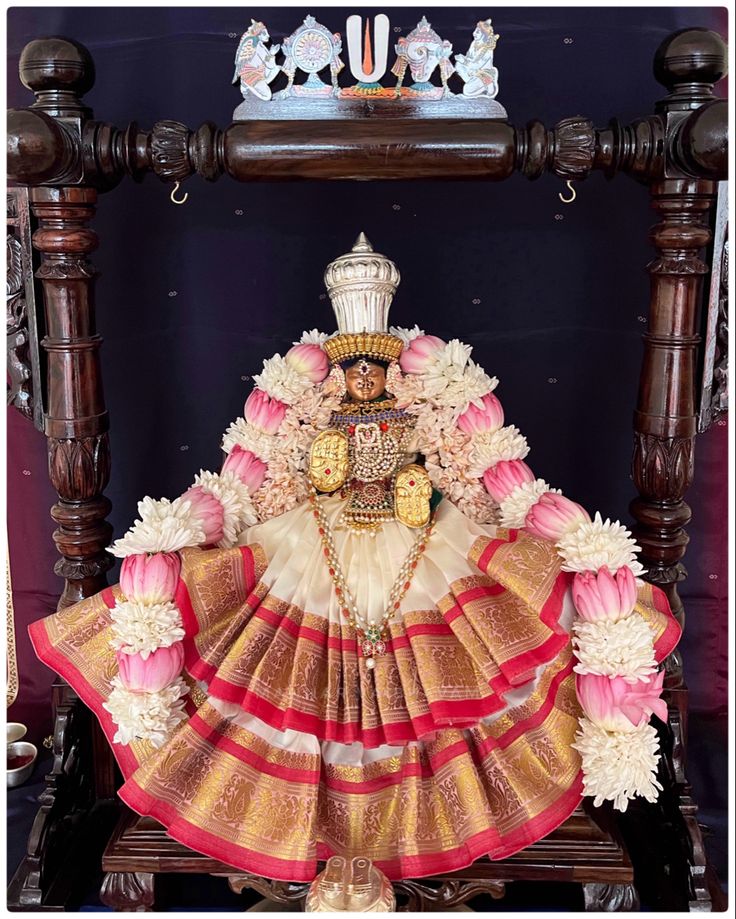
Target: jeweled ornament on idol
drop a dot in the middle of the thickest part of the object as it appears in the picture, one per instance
(373, 614)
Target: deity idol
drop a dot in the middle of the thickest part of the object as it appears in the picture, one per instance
(374, 633)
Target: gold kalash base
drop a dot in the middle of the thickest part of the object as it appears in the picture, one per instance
(350, 885)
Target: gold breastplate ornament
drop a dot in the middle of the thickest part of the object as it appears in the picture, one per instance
(363, 453)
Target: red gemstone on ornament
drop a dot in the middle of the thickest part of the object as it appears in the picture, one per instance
(412, 482)
(406, 585)
(328, 471)
(384, 426)
(351, 429)
(326, 552)
(321, 531)
(367, 648)
(379, 647)
(332, 572)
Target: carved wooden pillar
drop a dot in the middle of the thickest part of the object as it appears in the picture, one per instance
(688, 63)
(665, 420)
(76, 423)
(59, 71)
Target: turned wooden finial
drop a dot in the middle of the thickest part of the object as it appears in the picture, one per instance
(689, 63)
(58, 71)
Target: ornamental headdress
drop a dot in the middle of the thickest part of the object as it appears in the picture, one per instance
(361, 285)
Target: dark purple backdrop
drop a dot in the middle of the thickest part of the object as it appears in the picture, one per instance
(191, 299)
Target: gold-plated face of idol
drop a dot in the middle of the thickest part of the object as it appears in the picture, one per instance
(365, 381)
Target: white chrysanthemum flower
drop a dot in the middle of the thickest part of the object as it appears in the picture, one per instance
(150, 716)
(233, 495)
(406, 335)
(280, 380)
(519, 502)
(618, 765)
(140, 628)
(164, 526)
(622, 648)
(312, 337)
(490, 447)
(243, 434)
(592, 544)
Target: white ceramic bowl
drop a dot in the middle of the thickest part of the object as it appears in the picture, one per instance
(22, 773)
(15, 731)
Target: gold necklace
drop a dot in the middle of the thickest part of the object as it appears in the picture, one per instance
(371, 636)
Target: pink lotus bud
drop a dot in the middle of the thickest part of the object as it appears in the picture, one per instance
(474, 420)
(250, 470)
(150, 578)
(160, 668)
(263, 412)
(419, 353)
(503, 477)
(615, 705)
(210, 513)
(309, 360)
(603, 595)
(554, 515)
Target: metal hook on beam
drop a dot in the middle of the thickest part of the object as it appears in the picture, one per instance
(572, 197)
(175, 200)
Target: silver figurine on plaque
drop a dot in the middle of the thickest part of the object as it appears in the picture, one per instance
(312, 48)
(475, 67)
(255, 63)
(422, 51)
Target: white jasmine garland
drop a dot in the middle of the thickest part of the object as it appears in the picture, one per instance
(245, 435)
(622, 648)
(618, 765)
(516, 505)
(164, 526)
(592, 544)
(490, 447)
(150, 716)
(233, 495)
(406, 335)
(312, 337)
(140, 628)
(281, 381)
(451, 379)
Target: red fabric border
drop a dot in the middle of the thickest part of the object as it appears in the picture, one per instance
(52, 658)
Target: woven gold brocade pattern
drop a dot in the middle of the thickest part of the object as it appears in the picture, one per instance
(483, 785)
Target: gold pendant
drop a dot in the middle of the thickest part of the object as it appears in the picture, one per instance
(412, 491)
(328, 460)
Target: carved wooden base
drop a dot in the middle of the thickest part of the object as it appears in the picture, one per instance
(71, 827)
(130, 892)
(610, 898)
(584, 850)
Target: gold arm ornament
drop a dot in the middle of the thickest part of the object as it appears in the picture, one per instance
(412, 494)
(328, 460)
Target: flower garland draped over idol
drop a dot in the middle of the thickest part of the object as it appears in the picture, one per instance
(478, 463)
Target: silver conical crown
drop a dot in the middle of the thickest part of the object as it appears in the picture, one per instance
(361, 285)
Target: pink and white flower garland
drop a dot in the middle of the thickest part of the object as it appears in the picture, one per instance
(147, 699)
(617, 682)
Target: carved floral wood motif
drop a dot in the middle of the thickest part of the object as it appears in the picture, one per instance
(67, 158)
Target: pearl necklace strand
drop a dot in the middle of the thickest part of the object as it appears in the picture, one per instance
(373, 640)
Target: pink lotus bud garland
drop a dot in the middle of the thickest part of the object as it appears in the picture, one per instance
(263, 412)
(152, 673)
(249, 469)
(150, 578)
(617, 682)
(310, 360)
